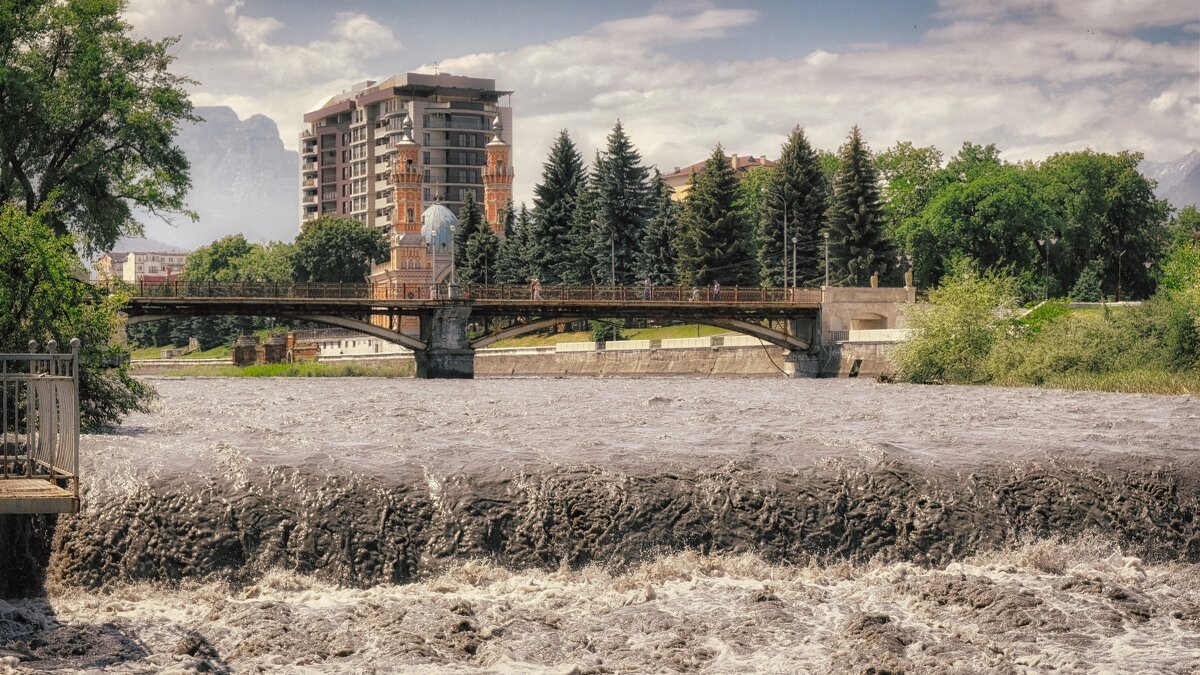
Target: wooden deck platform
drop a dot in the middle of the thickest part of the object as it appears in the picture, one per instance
(35, 495)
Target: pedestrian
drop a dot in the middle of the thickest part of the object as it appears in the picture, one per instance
(646, 289)
(536, 289)
(695, 294)
(716, 290)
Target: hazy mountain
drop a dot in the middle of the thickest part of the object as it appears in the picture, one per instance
(1178, 180)
(243, 180)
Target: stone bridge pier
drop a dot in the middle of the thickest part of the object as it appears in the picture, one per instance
(449, 354)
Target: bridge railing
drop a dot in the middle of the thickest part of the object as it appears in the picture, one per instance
(183, 289)
(39, 415)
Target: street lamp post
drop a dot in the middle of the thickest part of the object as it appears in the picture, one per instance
(794, 240)
(1048, 241)
(453, 272)
(826, 260)
(1119, 256)
(612, 242)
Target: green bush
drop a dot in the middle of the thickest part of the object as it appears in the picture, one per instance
(955, 332)
(602, 331)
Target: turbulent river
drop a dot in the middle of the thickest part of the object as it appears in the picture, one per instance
(626, 525)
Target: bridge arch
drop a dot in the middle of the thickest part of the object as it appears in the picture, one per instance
(770, 335)
(329, 320)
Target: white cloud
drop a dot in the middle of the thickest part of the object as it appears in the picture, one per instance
(1033, 76)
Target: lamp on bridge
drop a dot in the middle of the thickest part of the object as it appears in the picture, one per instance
(1047, 242)
(826, 261)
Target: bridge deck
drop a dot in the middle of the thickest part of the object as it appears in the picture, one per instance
(35, 495)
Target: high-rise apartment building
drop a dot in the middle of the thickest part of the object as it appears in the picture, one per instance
(443, 128)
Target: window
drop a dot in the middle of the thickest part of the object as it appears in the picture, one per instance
(426, 139)
(427, 197)
(426, 157)
(409, 213)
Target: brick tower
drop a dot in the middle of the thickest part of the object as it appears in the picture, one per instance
(407, 178)
(497, 178)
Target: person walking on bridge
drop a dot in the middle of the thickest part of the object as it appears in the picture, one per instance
(716, 290)
(646, 289)
(535, 289)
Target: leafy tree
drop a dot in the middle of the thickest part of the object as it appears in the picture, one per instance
(45, 297)
(88, 116)
(1180, 270)
(956, 331)
(910, 176)
(470, 219)
(829, 164)
(482, 256)
(750, 193)
(554, 206)
(858, 247)
(796, 186)
(337, 250)
(1087, 286)
(714, 242)
(996, 219)
(218, 261)
(972, 161)
(656, 255)
(1105, 210)
(622, 206)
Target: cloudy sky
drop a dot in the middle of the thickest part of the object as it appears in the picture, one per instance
(1032, 76)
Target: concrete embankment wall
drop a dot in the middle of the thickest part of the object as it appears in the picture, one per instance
(836, 360)
(731, 361)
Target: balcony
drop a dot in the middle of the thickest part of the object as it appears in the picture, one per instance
(309, 199)
(475, 125)
(310, 182)
(309, 166)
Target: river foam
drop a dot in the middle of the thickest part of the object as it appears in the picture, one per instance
(628, 525)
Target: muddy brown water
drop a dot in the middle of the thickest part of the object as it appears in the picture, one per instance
(630, 525)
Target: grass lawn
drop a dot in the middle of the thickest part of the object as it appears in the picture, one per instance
(399, 368)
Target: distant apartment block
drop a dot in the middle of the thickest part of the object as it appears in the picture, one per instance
(135, 266)
(352, 146)
(680, 179)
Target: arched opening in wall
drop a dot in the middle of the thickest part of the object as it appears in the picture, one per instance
(868, 321)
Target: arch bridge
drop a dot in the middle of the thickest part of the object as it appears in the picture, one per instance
(788, 318)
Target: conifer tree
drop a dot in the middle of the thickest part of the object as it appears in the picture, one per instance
(509, 263)
(656, 257)
(857, 246)
(577, 264)
(797, 186)
(622, 206)
(483, 253)
(554, 206)
(715, 243)
(470, 218)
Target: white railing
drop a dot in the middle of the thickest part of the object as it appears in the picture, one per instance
(39, 415)
(879, 335)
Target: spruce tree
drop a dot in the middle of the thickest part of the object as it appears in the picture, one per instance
(715, 243)
(656, 257)
(470, 217)
(483, 253)
(622, 206)
(797, 186)
(1087, 287)
(508, 261)
(577, 263)
(554, 206)
(857, 246)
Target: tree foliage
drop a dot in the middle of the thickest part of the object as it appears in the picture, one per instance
(858, 246)
(482, 255)
(334, 250)
(554, 206)
(796, 187)
(45, 297)
(714, 243)
(956, 330)
(621, 207)
(656, 256)
(1087, 286)
(470, 219)
(88, 116)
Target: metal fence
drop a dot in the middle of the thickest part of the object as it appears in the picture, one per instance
(39, 415)
(508, 292)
